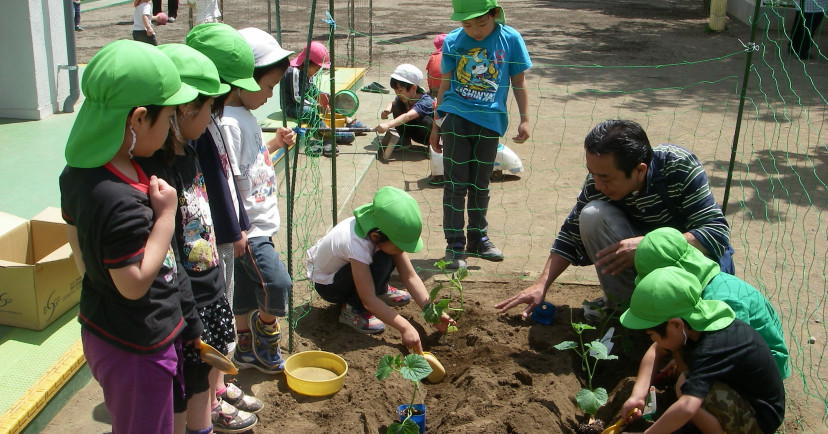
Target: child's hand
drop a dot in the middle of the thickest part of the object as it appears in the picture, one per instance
(240, 246)
(385, 114)
(411, 340)
(162, 196)
(445, 321)
(523, 132)
(434, 139)
(286, 135)
(383, 127)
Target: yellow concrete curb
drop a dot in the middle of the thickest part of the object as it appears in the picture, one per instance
(22, 412)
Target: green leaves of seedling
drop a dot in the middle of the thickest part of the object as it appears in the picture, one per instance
(591, 400)
(412, 367)
(566, 345)
(407, 426)
(588, 399)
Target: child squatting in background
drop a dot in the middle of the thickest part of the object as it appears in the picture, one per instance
(412, 110)
(731, 381)
(481, 61)
(136, 307)
(308, 108)
(352, 264)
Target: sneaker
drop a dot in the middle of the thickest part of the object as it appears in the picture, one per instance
(229, 419)
(264, 353)
(314, 148)
(171, 20)
(455, 256)
(596, 310)
(484, 249)
(242, 401)
(78, 28)
(361, 320)
(327, 150)
(358, 124)
(395, 297)
(436, 180)
(375, 88)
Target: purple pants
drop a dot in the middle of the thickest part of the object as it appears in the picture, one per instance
(138, 388)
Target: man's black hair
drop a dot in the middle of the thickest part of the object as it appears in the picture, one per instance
(625, 140)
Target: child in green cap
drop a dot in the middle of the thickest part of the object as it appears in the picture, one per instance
(352, 264)
(668, 247)
(255, 310)
(481, 61)
(731, 382)
(177, 163)
(134, 311)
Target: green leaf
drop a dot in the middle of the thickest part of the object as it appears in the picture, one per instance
(441, 264)
(407, 426)
(410, 427)
(580, 327)
(385, 367)
(462, 273)
(416, 368)
(590, 401)
(599, 351)
(566, 345)
(433, 295)
(430, 313)
(451, 329)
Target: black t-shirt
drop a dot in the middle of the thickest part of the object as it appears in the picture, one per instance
(194, 233)
(738, 356)
(113, 219)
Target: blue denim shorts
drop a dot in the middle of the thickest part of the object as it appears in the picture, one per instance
(262, 280)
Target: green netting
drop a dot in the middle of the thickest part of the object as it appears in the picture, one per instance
(748, 91)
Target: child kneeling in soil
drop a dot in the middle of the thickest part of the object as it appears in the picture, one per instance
(731, 381)
(353, 262)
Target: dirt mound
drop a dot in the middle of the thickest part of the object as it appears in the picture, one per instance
(503, 374)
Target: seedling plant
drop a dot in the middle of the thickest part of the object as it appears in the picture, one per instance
(413, 368)
(435, 307)
(588, 399)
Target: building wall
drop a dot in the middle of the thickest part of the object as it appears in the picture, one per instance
(34, 46)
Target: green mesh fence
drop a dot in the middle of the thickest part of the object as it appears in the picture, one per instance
(777, 190)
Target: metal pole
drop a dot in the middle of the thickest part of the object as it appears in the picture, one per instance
(292, 181)
(351, 32)
(737, 132)
(278, 16)
(332, 113)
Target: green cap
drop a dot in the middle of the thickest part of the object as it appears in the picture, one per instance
(396, 214)
(667, 247)
(195, 69)
(228, 51)
(468, 9)
(671, 292)
(122, 75)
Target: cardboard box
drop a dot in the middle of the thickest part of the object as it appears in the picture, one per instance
(38, 277)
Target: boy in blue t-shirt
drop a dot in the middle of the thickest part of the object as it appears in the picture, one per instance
(481, 60)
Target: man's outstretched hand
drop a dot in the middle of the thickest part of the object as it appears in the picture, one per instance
(532, 297)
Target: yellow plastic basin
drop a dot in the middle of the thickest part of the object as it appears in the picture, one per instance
(315, 373)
